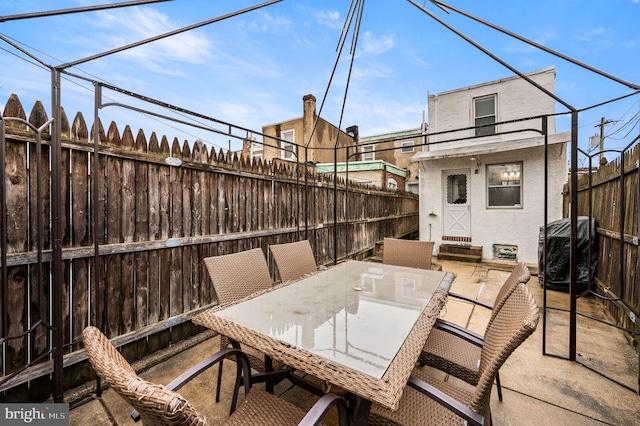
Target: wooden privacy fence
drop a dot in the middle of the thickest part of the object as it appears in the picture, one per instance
(613, 200)
(161, 209)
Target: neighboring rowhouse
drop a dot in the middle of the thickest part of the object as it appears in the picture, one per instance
(395, 148)
(376, 173)
(484, 186)
(285, 140)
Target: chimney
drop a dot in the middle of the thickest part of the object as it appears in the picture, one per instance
(308, 117)
(309, 106)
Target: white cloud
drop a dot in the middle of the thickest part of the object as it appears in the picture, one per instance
(143, 23)
(592, 34)
(263, 68)
(372, 70)
(329, 18)
(272, 23)
(418, 60)
(373, 45)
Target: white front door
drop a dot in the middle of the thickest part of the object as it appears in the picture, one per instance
(457, 219)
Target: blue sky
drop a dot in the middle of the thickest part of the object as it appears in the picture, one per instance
(253, 69)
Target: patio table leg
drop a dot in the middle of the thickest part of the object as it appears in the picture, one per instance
(360, 412)
(268, 366)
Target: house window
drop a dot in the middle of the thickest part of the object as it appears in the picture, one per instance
(504, 185)
(368, 153)
(392, 184)
(484, 112)
(256, 151)
(413, 187)
(407, 147)
(288, 147)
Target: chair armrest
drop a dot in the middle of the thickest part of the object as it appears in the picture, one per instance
(446, 401)
(461, 332)
(322, 407)
(203, 365)
(470, 300)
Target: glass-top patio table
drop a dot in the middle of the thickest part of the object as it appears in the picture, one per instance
(359, 326)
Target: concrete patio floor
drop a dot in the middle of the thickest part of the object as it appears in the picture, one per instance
(537, 389)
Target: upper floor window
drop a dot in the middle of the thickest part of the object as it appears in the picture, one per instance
(288, 147)
(368, 153)
(504, 185)
(484, 112)
(407, 147)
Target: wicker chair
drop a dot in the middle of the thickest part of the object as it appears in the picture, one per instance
(455, 349)
(162, 405)
(236, 276)
(415, 254)
(431, 401)
(293, 260)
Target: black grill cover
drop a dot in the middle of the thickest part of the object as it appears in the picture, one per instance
(558, 249)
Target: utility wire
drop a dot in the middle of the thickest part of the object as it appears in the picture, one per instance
(631, 124)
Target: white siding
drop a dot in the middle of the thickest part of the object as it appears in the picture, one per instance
(516, 98)
(509, 226)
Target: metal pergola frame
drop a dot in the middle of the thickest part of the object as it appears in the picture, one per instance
(573, 214)
(352, 23)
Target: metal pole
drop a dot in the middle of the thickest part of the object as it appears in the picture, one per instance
(167, 34)
(622, 207)
(96, 203)
(298, 201)
(601, 145)
(545, 234)
(56, 236)
(573, 253)
(589, 251)
(638, 250)
(306, 195)
(96, 200)
(534, 44)
(3, 240)
(346, 204)
(77, 10)
(335, 205)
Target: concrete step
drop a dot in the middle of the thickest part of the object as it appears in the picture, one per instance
(463, 253)
(461, 257)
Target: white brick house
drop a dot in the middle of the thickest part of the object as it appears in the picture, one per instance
(482, 186)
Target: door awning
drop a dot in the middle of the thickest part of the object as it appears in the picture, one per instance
(491, 147)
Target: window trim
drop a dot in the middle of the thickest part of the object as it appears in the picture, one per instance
(478, 131)
(392, 184)
(454, 178)
(520, 165)
(286, 153)
(368, 149)
(407, 144)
